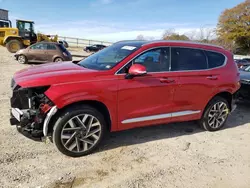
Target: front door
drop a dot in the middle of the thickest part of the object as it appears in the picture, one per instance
(147, 99)
(51, 52)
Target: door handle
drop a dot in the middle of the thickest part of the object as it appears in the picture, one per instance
(212, 77)
(167, 80)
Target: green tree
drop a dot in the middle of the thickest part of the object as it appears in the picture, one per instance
(171, 35)
(234, 27)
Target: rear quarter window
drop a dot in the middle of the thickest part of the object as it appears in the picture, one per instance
(215, 59)
(51, 47)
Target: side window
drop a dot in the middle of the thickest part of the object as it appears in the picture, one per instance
(187, 59)
(39, 47)
(215, 59)
(156, 60)
(51, 47)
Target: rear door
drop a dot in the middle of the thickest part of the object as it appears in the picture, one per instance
(38, 53)
(52, 51)
(196, 83)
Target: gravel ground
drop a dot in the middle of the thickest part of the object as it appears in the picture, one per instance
(174, 155)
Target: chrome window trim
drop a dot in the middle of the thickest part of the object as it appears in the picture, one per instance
(182, 41)
(160, 116)
(224, 64)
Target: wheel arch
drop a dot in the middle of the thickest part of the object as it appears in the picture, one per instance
(224, 94)
(56, 56)
(10, 37)
(100, 106)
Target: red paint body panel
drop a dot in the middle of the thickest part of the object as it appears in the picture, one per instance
(149, 95)
(152, 94)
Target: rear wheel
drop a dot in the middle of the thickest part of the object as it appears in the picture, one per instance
(58, 59)
(79, 131)
(22, 59)
(14, 45)
(215, 114)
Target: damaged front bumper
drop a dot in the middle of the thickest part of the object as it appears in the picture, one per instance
(31, 111)
(20, 119)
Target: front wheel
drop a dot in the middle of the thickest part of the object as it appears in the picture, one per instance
(22, 59)
(79, 131)
(215, 114)
(14, 45)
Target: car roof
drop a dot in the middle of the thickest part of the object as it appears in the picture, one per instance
(46, 42)
(30, 21)
(139, 43)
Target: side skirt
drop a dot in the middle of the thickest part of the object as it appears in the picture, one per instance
(160, 116)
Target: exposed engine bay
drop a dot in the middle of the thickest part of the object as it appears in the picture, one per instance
(29, 109)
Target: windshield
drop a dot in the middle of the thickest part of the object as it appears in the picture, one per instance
(109, 57)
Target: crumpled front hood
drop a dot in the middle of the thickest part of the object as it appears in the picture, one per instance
(52, 73)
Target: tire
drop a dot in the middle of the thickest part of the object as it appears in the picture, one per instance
(22, 59)
(14, 45)
(58, 59)
(77, 143)
(215, 114)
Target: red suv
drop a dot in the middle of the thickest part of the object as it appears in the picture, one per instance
(129, 84)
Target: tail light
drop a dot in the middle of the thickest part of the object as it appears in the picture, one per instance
(65, 54)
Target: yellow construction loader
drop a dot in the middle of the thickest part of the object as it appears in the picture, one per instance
(22, 36)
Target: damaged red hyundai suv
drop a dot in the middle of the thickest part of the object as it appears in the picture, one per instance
(129, 84)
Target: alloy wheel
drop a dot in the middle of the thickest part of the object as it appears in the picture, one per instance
(81, 133)
(21, 59)
(218, 115)
(58, 60)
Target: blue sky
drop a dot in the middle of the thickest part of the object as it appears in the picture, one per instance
(113, 20)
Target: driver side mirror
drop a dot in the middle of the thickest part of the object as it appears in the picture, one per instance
(136, 70)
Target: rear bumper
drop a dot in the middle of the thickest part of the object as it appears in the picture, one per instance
(233, 103)
(67, 58)
(244, 92)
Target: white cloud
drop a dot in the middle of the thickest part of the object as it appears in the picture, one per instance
(115, 31)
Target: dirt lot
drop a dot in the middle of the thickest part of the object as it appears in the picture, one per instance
(175, 155)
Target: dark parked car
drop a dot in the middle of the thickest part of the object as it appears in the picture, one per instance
(43, 52)
(64, 43)
(247, 59)
(244, 92)
(242, 63)
(94, 48)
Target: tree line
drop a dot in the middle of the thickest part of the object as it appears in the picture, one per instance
(232, 31)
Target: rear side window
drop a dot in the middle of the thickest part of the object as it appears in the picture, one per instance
(51, 47)
(215, 59)
(183, 59)
(39, 46)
